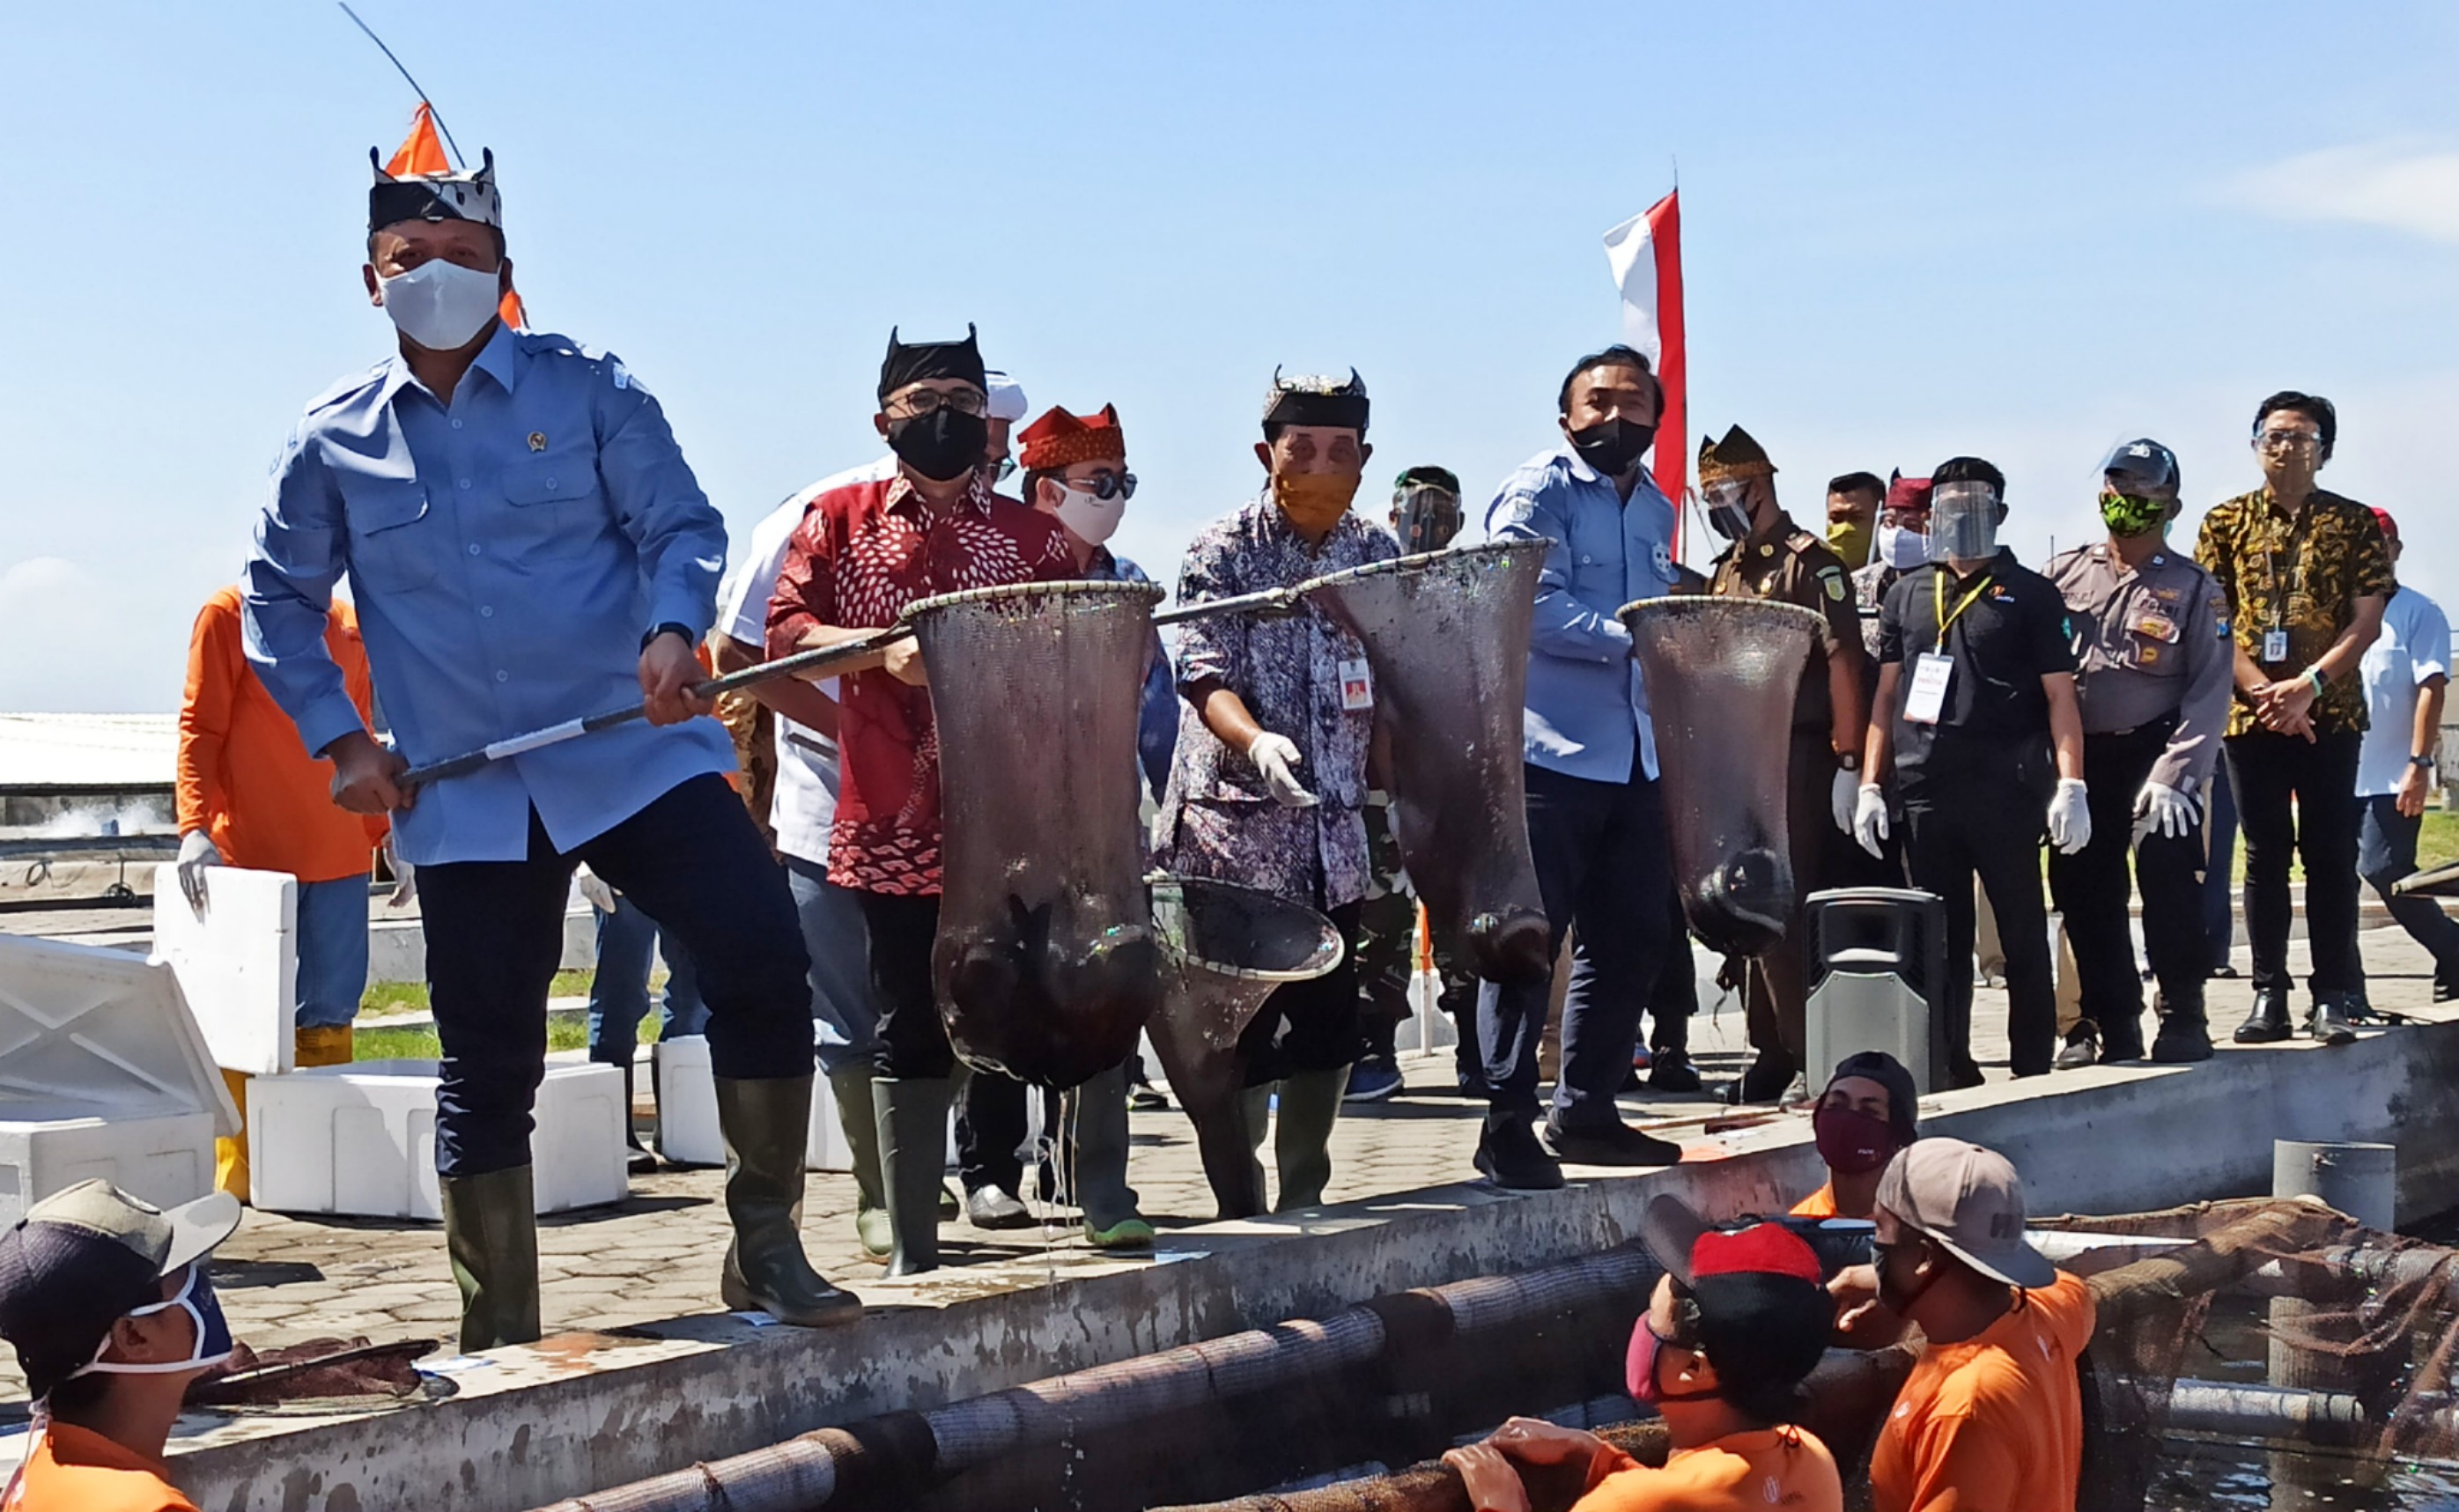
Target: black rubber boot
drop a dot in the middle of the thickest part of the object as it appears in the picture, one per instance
(2183, 1038)
(2268, 1022)
(913, 1158)
(490, 1232)
(767, 1128)
(1509, 1155)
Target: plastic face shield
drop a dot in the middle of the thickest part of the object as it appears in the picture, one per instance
(1963, 521)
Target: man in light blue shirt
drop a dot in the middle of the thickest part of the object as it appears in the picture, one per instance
(526, 545)
(1596, 819)
(2407, 674)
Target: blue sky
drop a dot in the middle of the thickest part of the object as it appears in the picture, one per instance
(1910, 231)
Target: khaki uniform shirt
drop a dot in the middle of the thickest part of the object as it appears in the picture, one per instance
(1791, 565)
(2149, 645)
(2303, 576)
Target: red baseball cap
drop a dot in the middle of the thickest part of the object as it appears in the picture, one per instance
(2389, 526)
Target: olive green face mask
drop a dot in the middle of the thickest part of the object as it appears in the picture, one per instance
(2131, 514)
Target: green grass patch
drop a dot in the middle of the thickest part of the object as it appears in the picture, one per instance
(392, 999)
(566, 1031)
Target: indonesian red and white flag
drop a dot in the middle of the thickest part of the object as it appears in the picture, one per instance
(1646, 255)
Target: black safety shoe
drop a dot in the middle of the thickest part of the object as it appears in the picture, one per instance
(2268, 1022)
(2121, 1038)
(1764, 1082)
(2083, 1050)
(1963, 1073)
(1615, 1144)
(1673, 1071)
(1509, 1156)
(2326, 1023)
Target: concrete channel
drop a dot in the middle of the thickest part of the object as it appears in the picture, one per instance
(583, 1412)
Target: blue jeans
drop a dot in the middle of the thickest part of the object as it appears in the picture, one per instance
(839, 945)
(619, 995)
(332, 951)
(2387, 852)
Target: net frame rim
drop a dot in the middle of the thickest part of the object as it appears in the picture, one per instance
(1330, 950)
(1807, 618)
(1417, 562)
(1149, 593)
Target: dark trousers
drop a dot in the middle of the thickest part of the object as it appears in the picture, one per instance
(2321, 777)
(913, 1040)
(2090, 889)
(991, 1132)
(2220, 866)
(1776, 988)
(1308, 1025)
(1601, 863)
(2386, 854)
(693, 862)
(1962, 825)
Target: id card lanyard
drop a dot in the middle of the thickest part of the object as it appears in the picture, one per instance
(2284, 584)
(1926, 701)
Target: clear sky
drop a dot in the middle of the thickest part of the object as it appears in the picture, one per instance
(1911, 231)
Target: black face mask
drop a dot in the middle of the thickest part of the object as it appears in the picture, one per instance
(943, 445)
(1613, 446)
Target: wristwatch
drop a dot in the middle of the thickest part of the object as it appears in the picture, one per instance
(2425, 761)
(670, 628)
(1848, 761)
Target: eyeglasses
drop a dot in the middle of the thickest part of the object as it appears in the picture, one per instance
(920, 402)
(2287, 440)
(1107, 484)
(1906, 519)
(1005, 469)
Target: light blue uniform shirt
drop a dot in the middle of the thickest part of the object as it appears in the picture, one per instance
(506, 555)
(1588, 704)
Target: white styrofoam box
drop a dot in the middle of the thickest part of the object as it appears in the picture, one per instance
(103, 1073)
(360, 1140)
(688, 1132)
(237, 963)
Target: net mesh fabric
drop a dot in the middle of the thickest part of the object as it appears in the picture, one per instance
(1446, 637)
(1722, 675)
(1046, 963)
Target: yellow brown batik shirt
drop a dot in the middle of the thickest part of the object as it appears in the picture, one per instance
(2303, 576)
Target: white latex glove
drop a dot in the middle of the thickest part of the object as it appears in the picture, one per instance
(2162, 808)
(1277, 758)
(1870, 819)
(594, 887)
(196, 853)
(2069, 817)
(1844, 798)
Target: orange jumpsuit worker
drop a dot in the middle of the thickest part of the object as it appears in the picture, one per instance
(249, 795)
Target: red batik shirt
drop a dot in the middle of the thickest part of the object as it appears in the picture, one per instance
(862, 554)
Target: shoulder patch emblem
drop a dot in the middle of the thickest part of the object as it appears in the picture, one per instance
(1833, 577)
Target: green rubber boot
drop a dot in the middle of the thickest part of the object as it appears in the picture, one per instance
(912, 1160)
(859, 1121)
(1302, 1135)
(1098, 1113)
(491, 1233)
(766, 1127)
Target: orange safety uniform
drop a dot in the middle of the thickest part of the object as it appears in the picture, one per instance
(1820, 1204)
(1995, 1423)
(75, 1469)
(244, 778)
(1745, 1472)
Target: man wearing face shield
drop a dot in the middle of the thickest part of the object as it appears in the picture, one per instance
(113, 1314)
(1976, 718)
(1773, 558)
(1596, 816)
(1270, 777)
(1425, 516)
(2152, 629)
(2307, 576)
(526, 544)
(862, 554)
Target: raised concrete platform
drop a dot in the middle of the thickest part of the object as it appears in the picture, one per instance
(585, 1411)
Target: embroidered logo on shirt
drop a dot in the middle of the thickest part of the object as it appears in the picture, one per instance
(1662, 560)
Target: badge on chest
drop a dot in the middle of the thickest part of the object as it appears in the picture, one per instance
(1926, 701)
(1357, 685)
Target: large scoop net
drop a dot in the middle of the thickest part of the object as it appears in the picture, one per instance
(1446, 637)
(1046, 963)
(1722, 675)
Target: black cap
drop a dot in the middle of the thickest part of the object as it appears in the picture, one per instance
(2154, 466)
(916, 362)
(83, 1258)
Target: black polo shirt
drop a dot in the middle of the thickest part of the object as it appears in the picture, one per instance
(1996, 718)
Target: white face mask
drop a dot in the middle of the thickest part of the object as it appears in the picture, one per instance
(1088, 516)
(440, 305)
(1902, 549)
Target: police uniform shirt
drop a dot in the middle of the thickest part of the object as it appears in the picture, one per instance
(1790, 565)
(2008, 629)
(2153, 644)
